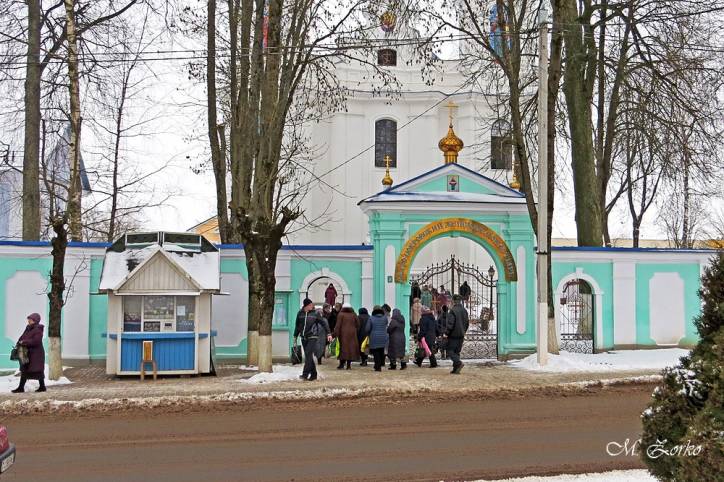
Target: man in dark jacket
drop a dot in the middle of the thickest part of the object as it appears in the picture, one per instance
(309, 327)
(457, 326)
(429, 331)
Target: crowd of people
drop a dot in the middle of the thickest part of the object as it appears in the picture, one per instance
(337, 330)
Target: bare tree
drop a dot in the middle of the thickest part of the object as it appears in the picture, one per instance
(281, 65)
(46, 31)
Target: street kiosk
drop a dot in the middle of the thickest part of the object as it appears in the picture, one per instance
(159, 288)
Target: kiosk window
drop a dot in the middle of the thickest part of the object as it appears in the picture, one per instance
(132, 313)
(185, 313)
(159, 313)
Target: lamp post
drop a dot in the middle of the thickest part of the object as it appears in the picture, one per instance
(542, 331)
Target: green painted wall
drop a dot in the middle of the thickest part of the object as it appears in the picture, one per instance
(98, 313)
(350, 271)
(466, 185)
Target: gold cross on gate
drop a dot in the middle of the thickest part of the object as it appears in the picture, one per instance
(451, 105)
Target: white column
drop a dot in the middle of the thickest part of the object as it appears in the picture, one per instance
(76, 312)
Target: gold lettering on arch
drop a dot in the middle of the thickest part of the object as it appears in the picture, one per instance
(450, 225)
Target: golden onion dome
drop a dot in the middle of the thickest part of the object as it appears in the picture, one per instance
(450, 145)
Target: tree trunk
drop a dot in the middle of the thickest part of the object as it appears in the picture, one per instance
(261, 264)
(55, 296)
(215, 131)
(636, 232)
(74, 185)
(577, 87)
(31, 169)
(116, 160)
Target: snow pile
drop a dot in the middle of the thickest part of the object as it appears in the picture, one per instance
(612, 476)
(281, 373)
(10, 382)
(625, 360)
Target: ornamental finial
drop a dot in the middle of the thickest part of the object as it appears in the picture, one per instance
(387, 180)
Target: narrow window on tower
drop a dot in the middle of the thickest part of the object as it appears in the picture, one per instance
(501, 145)
(385, 142)
(387, 57)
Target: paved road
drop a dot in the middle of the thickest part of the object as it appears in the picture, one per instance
(426, 439)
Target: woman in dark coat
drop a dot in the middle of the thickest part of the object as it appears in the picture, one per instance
(363, 332)
(429, 331)
(378, 336)
(323, 339)
(32, 340)
(330, 294)
(345, 331)
(396, 347)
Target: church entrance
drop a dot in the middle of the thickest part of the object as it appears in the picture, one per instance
(478, 288)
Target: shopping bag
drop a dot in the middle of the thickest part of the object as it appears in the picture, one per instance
(334, 348)
(419, 352)
(365, 344)
(296, 354)
(14, 354)
(423, 343)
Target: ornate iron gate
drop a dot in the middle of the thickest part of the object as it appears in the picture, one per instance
(576, 327)
(480, 299)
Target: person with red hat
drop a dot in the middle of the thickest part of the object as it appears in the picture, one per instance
(32, 341)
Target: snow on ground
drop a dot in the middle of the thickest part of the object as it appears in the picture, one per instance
(612, 476)
(281, 373)
(10, 382)
(624, 360)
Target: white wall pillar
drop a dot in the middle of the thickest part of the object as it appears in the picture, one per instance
(521, 291)
(624, 303)
(76, 312)
(367, 283)
(390, 275)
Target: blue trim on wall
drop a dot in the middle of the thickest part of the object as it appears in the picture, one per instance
(71, 244)
(309, 247)
(632, 250)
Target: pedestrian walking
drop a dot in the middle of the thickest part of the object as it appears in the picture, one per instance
(325, 337)
(346, 334)
(332, 319)
(415, 314)
(442, 330)
(310, 328)
(378, 336)
(362, 333)
(429, 332)
(32, 342)
(426, 297)
(457, 326)
(396, 345)
(330, 294)
(415, 291)
(464, 291)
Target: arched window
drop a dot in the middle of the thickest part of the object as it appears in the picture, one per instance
(385, 142)
(387, 57)
(501, 145)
